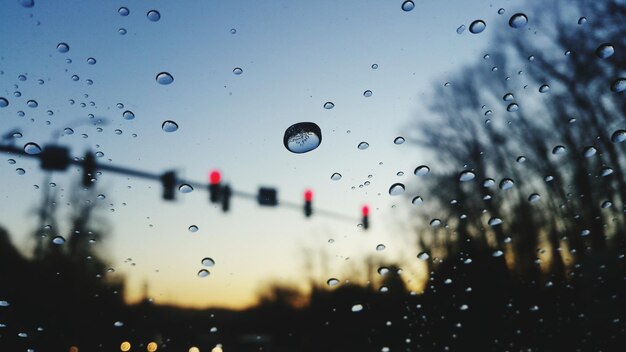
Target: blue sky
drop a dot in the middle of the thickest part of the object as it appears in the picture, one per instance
(295, 56)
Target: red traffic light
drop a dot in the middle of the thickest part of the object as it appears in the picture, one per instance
(215, 177)
(308, 195)
(365, 210)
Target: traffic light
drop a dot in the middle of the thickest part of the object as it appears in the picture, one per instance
(308, 198)
(226, 193)
(168, 180)
(365, 211)
(55, 158)
(89, 169)
(215, 189)
(268, 196)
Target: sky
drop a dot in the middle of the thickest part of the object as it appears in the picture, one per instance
(294, 57)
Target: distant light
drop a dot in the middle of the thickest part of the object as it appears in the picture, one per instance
(194, 349)
(152, 346)
(365, 210)
(125, 346)
(308, 195)
(215, 177)
(217, 348)
(73, 349)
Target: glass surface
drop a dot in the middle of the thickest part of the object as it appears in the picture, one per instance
(312, 175)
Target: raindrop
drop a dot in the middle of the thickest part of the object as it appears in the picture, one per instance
(417, 200)
(466, 175)
(513, 107)
(335, 177)
(153, 15)
(302, 137)
(367, 93)
(32, 103)
(582, 20)
(521, 159)
(363, 145)
(606, 204)
(11, 161)
(423, 256)
(169, 126)
(32, 148)
(123, 11)
(380, 247)
(209, 262)
(535, 197)
(233, 31)
(558, 150)
(164, 78)
(399, 140)
(421, 170)
(185, 188)
(3, 102)
(506, 183)
(400, 173)
(374, 66)
(494, 222)
(329, 105)
(332, 282)
(544, 88)
(75, 78)
(435, 223)
(618, 136)
(497, 253)
(128, 115)
(518, 20)
(460, 29)
(118, 131)
(27, 3)
(118, 324)
(396, 189)
(589, 151)
(605, 50)
(619, 85)
(237, 71)
(477, 26)
(20, 171)
(606, 171)
(121, 31)
(408, 5)
(68, 131)
(91, 61)
(489, 182)
(101, 196)
(203, 273)
(4, 304)
(501, 11)
(63, 47)
(508, 97)
(21, 78)
(464, 307)
(359, 307)
(58, 240)
(193, 228)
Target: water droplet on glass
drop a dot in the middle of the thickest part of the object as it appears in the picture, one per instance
(399, 140)
(32, 103)
(494, 221)
(153, 15)
(21, 78)
(359, 307)
(508, 97)
(237, 71)
(417, 200)
(618, 136)
(460, 29)
(421, 170)
(123, 11)
(3, 102)
(606, 204)
(589, 151)
(169, 126)
(363, 145)
(497, 253)
(185, 188)
(27, 3)
(423, 256)
(68, 131)
(91, 61)
(118, 131)
(606, 171)
(558, 150)
(332, 282)
(32, 148)
(11, 161)
(164, 78)
(121, 31)
(233, 31)
(58, 240)
(374, 66)
(203, 273)
(396, 189)
(435, 223)
(534, 197)
(466, 175)
(380, 247)
(477, 26)
(408, 5)
(513, 107)
(501, 11)
(302, 137)
(399, 173)
(128, 115)
(367, 93)
(20, 171)
(605, 50)
(118, 324)
(335, 177)
(63, 47)
(209, 262)
(521, 159)
(329, 105)
(619, 85)
(582, 20)
(506, 183)
(518, 20)
(544, 88)
(193, 228)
